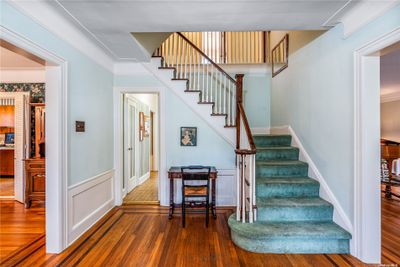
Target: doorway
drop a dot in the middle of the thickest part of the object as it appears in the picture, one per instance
(22, 148)
(140, 148)
(366, 242)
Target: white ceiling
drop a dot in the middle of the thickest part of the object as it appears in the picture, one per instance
(12, 60)
(390, 74)
(111, 21)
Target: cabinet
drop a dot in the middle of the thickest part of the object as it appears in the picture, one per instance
(35, 180)
(7, 161)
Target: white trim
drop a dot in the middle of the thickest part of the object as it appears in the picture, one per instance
(339, 216)
(144, 178)
(163, 184)
(64, 29)
(260, 130)
(390, 97)
(367, 226)
(356, 14)
(91, 206)
(56, 140)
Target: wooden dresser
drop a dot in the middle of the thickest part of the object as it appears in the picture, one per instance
(35, 182)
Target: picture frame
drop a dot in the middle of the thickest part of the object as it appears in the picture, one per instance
(146, 126)
(188, 136)
(141, 126)
(280, 56)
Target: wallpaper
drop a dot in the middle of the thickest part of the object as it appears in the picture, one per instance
(37, 90)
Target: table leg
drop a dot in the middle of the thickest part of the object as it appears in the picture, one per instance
(213, 203)
(388, 191)
(171, 198)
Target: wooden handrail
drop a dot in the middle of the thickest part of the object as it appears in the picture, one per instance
(240, 114)
(204, 55)
(247, 128)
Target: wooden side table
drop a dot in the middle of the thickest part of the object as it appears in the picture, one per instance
(175, 173)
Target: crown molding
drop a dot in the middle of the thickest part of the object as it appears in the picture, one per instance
(390, 97)
(45, 15)
(356, 14)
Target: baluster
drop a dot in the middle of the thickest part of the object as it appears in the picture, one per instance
(207, 88)
(190, 67)
(198, 71)
(183, 60)
(220, 92)
(238, 187)
(243, 191)
(225, 92)
(250, 189)
(229, 104)
(204, 84)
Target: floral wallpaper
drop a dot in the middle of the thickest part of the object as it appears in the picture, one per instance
(37, 90)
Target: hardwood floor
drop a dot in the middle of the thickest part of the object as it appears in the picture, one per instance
(139, 235)
(19, 226)
(146, 193)
(6, 187)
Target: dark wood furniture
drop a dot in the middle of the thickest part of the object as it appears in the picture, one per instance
(195, 190)
(176, 173)
(7, 161)
(394, 181)
(390, 151)
(40, 113)
(35, 180)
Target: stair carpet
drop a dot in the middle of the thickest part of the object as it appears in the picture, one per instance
(291, 217)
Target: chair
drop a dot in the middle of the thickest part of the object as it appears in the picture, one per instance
(195, 185)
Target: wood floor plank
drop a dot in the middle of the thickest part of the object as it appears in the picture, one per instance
(144, 236)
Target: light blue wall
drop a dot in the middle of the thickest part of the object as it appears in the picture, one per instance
(211, 149)
(315, 96)
(257, 99)
(89, 98)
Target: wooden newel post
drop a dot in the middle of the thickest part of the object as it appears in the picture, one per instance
(239, 100)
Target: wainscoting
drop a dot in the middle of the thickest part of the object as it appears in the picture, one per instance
(88, 202)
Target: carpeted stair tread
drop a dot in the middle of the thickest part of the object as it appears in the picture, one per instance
(277, 153)
(281, 163)
(286, 180)
(276, 148)
(272, 140)
(306, 230)
(291, 202)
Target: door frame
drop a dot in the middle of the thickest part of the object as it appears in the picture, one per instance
(56, 139)
(118, 141)
(127, 188)
(367, 197)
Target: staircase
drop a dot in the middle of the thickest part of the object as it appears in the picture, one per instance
(278, 206)
(292, 218)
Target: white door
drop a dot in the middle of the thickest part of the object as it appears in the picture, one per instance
(131, 140)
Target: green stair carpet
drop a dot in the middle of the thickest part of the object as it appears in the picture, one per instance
(291, 217)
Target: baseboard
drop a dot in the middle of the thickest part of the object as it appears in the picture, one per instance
(88, 202)
(260, 130)
(339, 216)
(144, 178)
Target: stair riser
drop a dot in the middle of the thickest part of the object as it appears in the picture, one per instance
(278, 154)
(291, 214)
(284, 170)
(266, 141)
(292, 245)
(287, 190)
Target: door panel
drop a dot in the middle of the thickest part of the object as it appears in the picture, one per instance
(130, 144)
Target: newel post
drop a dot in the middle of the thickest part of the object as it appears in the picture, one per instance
(239, 100)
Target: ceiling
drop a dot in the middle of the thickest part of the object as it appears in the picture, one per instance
(12, 60)
(110, 22)
(390, 73)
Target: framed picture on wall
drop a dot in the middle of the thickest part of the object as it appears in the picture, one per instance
(141, 126)
(188, 136)
(146, 126)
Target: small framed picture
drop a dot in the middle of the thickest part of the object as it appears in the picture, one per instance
(141, 126)
(188, 136)
(146, 126)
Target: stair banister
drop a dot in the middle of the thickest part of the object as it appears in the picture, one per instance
(246, 210)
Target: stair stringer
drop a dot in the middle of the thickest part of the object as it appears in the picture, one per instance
(191, 99)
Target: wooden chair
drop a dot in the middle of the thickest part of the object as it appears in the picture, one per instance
(195, 185)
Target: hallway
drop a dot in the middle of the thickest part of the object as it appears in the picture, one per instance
(146, 193)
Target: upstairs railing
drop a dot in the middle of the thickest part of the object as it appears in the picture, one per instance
(217, 87)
